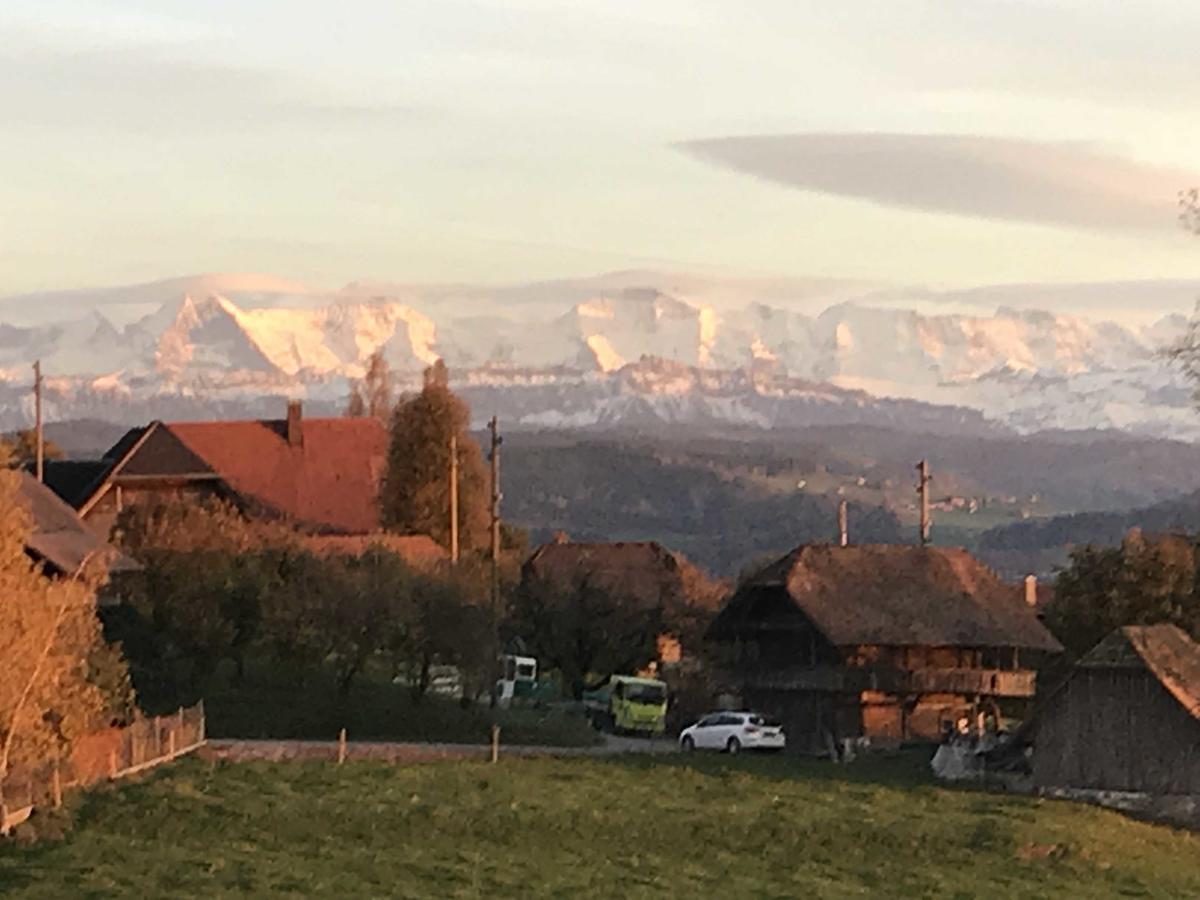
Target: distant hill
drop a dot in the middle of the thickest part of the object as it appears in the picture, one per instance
(1101, 528)
(724, 501)
(726, 496)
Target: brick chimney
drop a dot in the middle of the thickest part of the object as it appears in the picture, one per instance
(295, 429)
(1031, 590)
(843, 524)
(561, 537)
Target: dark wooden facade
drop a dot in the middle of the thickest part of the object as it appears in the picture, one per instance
(1115, 725)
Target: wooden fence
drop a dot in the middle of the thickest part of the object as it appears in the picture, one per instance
(103, 755)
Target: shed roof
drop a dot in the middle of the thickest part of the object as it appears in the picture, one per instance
(1164, 650)
(60, 537)
(76, 480)
(893, 595)
(642, 569)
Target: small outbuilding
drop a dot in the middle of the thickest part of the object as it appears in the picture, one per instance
(1126, 719)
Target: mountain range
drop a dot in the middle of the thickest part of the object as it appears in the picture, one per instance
(628, 349)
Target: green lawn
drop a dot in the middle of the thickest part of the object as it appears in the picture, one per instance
(628, 827)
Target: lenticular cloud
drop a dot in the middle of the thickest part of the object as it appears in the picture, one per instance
(1072, 184)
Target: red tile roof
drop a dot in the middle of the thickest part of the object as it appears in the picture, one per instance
(329, 483)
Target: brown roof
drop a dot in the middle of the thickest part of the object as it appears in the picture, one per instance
(644, 569)
(60, 537)
(415, 549)
(893, 595)
(1165, 650)
(327, 483)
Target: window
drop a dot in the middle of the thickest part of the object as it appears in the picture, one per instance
(646, 693)
(524, 670)
(765, 722)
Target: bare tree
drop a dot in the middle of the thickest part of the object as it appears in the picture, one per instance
(372, 396)
(1185, 351)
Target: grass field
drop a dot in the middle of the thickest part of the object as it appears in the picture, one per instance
(622, 827)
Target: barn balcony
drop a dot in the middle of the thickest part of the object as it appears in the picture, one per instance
(848, 679)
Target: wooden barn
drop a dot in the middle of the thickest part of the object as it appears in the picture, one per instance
(881, 641)
(1126, 719)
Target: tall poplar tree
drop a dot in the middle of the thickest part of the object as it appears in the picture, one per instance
(372, 396)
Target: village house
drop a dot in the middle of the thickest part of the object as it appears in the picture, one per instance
(1126, 719)
(59, 539)
(885, 642)
(320, 475)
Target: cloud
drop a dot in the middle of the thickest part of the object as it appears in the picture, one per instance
(148, 90)
(1072, 184)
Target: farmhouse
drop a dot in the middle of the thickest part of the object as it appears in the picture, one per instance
(320, 475)
(59, 539)
(1126, 719)
(886, 642)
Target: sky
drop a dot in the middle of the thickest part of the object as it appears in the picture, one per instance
(919, 142)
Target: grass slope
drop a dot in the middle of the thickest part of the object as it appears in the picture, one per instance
(630, 827)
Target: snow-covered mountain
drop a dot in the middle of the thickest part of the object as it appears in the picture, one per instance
(630, 353)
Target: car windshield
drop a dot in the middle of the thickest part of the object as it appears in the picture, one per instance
(645, 693)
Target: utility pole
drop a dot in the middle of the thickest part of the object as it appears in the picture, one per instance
(37, 412)
(494, 457)
(497, 440)
(454, 498)
(923, 490)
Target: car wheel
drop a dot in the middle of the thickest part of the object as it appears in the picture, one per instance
(734, 747)
(687, 744)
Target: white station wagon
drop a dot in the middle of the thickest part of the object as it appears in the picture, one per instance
(733, 732)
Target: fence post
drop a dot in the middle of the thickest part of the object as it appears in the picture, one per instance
(112, 765)
(495, 743)
(341, 746)
(56, 780)
(158, 738)
(200, 709)
(177, 728)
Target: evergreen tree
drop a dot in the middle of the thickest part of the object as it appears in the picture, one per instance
(415, 496)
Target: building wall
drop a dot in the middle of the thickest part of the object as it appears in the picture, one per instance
(1116, 730)
(809, 717)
